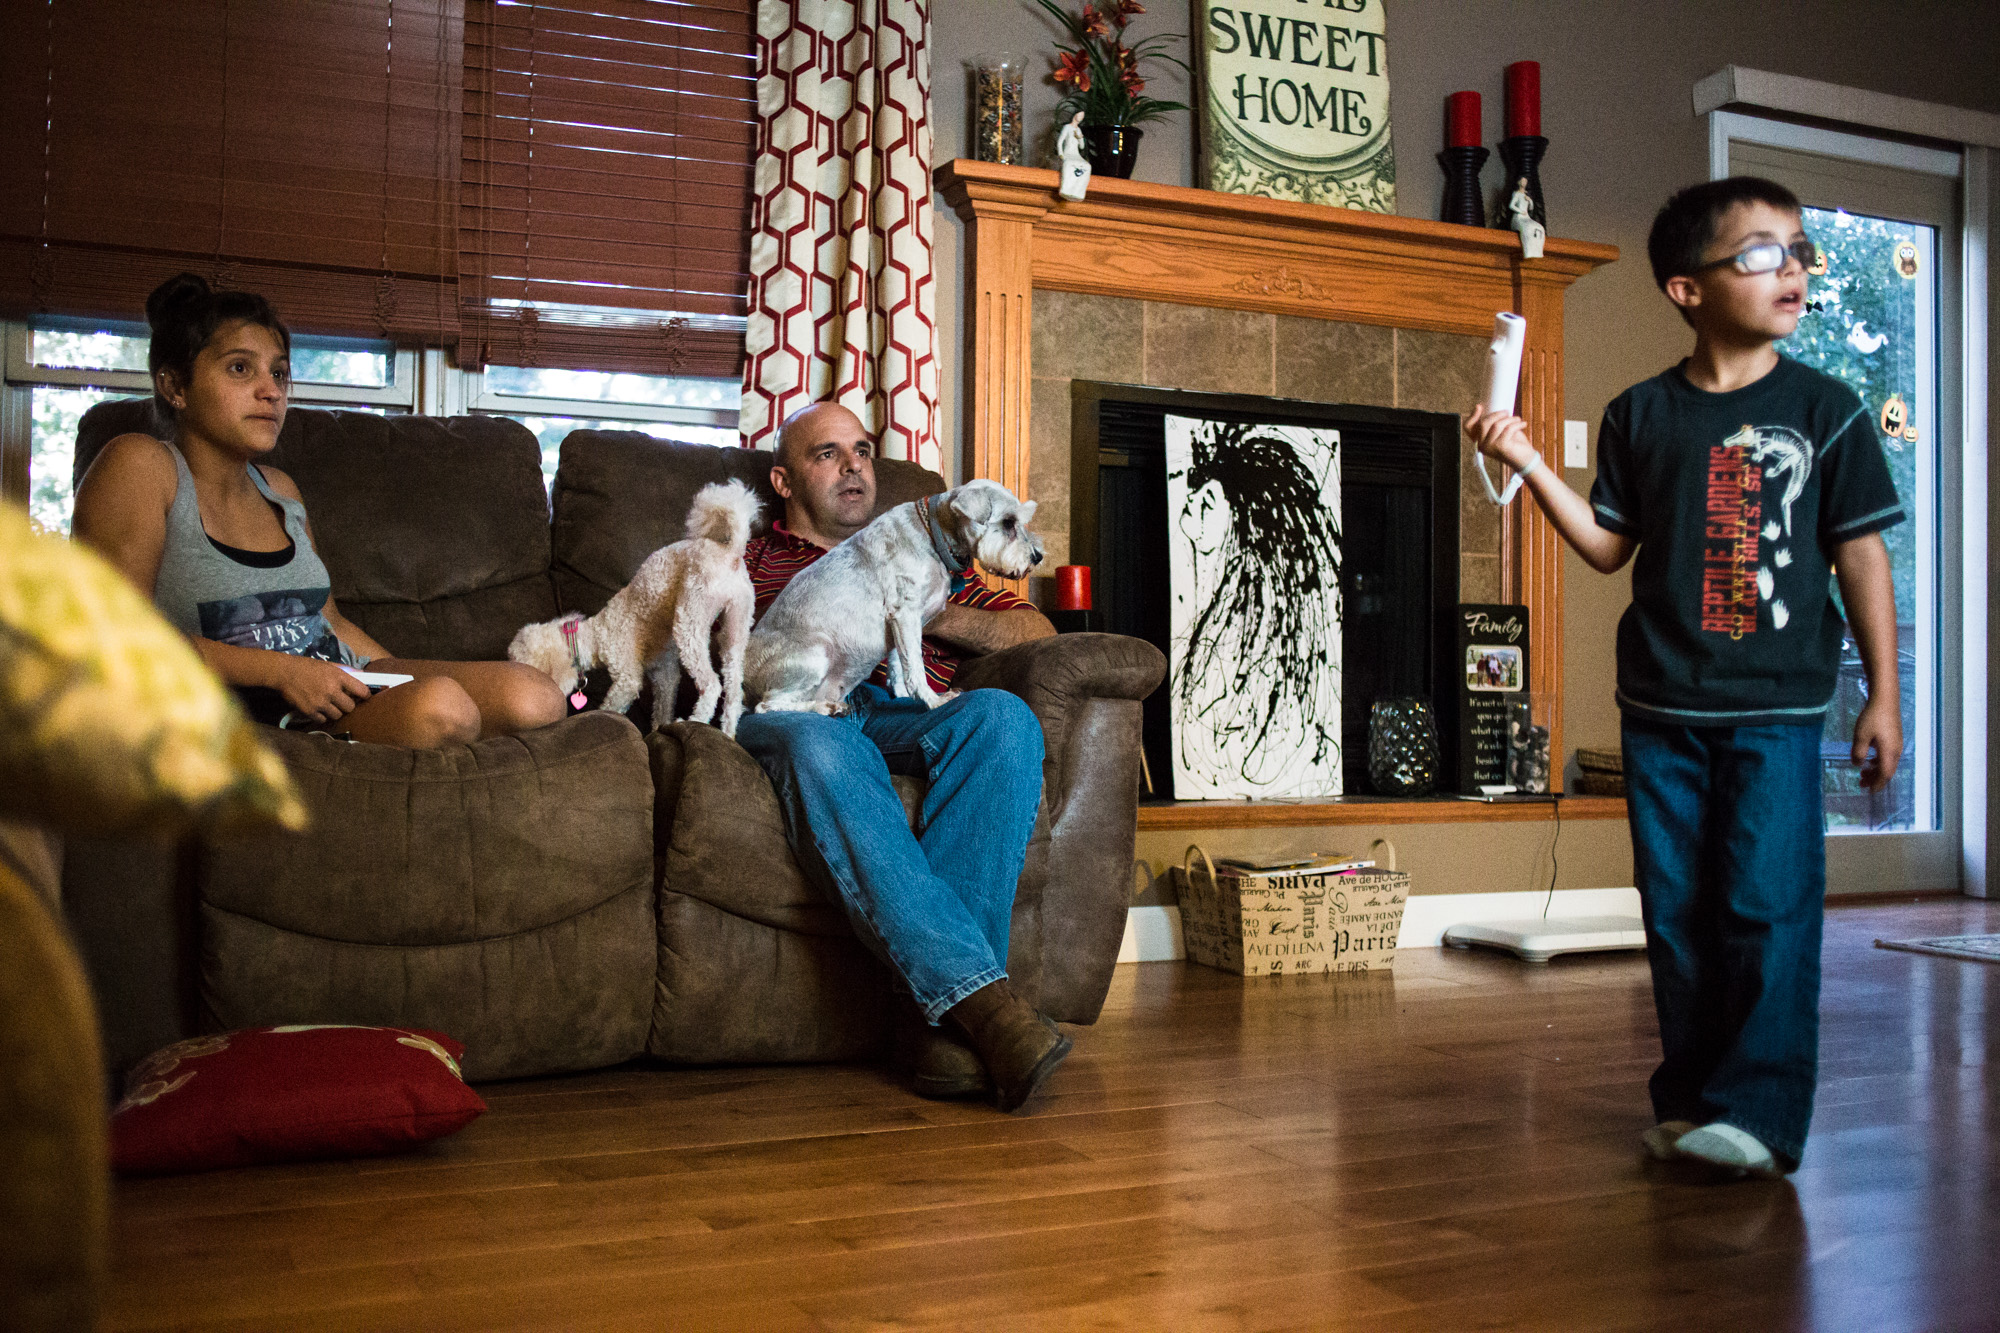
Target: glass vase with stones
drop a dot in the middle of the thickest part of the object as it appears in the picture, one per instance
(1528, 751)
(1403, 757)
(996, 108)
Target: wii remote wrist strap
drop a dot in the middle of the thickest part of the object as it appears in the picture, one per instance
(1513, 486)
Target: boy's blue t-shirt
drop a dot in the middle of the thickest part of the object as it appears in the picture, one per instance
(1737, 500)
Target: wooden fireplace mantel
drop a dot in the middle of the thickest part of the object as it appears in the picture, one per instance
(1200, 247)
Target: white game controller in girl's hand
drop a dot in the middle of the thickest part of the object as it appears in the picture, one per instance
(378, 680)
(1503, 373)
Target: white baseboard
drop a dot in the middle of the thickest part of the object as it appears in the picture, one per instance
(1153, 934)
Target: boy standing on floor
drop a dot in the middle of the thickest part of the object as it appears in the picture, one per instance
(1738, 476)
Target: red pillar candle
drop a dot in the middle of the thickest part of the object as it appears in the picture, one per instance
(1073, 587)
(1524, 98)
(1461, 121)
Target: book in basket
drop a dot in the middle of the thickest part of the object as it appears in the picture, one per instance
(1311, 920)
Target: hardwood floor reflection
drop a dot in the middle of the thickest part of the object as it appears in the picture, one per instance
(1449, 1146)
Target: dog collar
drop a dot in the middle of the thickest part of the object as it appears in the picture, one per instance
(953, 562)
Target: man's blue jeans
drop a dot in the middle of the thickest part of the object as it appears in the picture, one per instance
(934, 904)
(1729, 845)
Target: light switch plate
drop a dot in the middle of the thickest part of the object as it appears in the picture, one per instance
(1576, 444)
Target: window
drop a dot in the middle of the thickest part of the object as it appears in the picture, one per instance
(536, 185)
(58, 369)
(304, 151)
(552, 403)
(1875, 329)
(604, 215)
(1885, 319)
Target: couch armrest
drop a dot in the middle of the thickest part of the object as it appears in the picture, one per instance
(1069, 917)
(1054, 672)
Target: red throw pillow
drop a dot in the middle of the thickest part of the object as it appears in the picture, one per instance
(284, 1093)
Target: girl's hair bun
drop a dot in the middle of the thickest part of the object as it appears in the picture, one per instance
(176, 294)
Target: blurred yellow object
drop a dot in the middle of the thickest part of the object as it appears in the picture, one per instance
(109, 721)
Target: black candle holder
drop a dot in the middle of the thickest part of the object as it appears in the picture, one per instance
(1522, 154)
(1462, 200)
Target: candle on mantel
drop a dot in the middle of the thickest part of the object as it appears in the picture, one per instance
(1524, 98)
(1461, 121)
(1072, 587)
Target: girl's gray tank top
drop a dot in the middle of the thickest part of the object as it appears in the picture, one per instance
(203, 592)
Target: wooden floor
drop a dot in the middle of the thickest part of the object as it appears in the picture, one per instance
(1451, 1146)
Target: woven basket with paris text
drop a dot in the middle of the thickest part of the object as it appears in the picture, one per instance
(1282, 924)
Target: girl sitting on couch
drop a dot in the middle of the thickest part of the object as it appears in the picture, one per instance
(221, 544)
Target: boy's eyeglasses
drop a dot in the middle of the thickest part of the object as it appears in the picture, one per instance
(1769, 257)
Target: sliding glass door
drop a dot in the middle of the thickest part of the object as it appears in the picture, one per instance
(1883, 318)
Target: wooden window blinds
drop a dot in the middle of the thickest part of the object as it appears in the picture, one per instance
(305, 149)
(606, 184)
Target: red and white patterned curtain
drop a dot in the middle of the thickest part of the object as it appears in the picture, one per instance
(840, 222)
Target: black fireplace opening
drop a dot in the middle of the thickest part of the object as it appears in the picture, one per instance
(1399, 474)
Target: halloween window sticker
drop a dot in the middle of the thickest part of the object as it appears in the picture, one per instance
(1904, 259)
(1897, 423)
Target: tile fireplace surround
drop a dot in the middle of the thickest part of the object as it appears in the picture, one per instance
(1192, 289)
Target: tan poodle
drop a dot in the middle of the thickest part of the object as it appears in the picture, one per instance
(662, 621)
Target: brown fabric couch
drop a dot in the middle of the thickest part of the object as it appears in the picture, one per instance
(579, 895)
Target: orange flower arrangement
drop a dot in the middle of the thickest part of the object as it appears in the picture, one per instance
(1101, 72)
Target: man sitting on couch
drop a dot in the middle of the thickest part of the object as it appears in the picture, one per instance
(935, 904)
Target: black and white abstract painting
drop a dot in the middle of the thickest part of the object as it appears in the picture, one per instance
(1254, 543)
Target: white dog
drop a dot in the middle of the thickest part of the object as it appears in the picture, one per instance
(871, 596)
(663, 620)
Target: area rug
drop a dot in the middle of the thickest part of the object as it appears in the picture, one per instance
(1977, 948)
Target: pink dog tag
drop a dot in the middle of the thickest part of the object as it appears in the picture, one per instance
(577, 699)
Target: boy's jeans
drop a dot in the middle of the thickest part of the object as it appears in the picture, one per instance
(1729, 845)
(935, 905)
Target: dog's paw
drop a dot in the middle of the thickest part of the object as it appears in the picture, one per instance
(824, 709)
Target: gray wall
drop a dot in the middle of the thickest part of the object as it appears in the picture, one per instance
(1616, 85)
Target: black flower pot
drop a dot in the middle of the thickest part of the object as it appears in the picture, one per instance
(1113, 150)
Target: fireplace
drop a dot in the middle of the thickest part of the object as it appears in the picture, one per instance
(1141, 283)
(1400, 555)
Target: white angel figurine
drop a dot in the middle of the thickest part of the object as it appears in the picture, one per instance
(1075, 171)
(1532, 232)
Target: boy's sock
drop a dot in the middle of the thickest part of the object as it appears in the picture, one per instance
(1724, 1145)
(1659, 1141)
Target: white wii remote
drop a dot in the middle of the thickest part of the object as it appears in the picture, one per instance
(378, 680)
(1503, 374)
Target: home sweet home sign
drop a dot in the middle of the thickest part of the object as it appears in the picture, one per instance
(1295, 101)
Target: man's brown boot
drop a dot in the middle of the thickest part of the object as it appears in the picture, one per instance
(938, 1063)
(1020, 1047)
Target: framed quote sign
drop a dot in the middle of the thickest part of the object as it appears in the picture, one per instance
(1295, 101)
